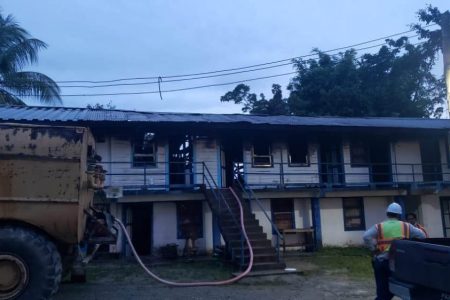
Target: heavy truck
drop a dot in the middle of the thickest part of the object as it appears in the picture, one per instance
(48, 177)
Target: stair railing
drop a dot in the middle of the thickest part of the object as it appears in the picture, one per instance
(251, 196)
(210, 183)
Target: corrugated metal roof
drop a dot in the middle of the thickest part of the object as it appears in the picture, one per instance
(69, 114)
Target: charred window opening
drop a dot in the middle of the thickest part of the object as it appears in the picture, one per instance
(189, 219)
(181, 158)
(298, 153)
(359, 154)
(144, 151)
(353, 214)
(262, 154)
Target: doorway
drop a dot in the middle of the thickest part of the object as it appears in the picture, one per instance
(380, 160)
(141, 227)
(431, 160)
(331, 168)
(180, 161)
(232, 153)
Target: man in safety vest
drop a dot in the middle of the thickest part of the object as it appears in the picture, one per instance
(379, 238)
(412, 219)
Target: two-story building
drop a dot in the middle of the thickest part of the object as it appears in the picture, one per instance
(334, 175)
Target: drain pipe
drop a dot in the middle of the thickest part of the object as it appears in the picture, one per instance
(200, 283)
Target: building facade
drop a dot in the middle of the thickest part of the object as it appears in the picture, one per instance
(335, 176)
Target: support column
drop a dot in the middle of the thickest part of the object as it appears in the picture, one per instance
(215, 231)
(401, 200)
(315, 212)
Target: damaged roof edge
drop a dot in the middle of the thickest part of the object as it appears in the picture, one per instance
(85, 115)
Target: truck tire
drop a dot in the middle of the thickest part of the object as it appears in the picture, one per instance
(30, 264)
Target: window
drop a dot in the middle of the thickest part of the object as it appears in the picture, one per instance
(353, 214)
(298, 153)
(189, 219)
(144, 154)
(359, 154)
(283, 213)
(262, 154)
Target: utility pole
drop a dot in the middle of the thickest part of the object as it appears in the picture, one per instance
(445, 29)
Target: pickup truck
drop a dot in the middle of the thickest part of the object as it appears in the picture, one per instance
(420, 269)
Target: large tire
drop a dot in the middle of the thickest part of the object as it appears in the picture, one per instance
(34, 261)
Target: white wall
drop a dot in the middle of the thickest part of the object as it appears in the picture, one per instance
(431, 214)
(263, 175)
(165, 227)
(332, 220)
(353, 174)
(406, 153)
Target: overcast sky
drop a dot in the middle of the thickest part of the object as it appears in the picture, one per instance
(105, 39)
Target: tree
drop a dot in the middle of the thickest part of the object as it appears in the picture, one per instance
(396, 81)
(107, 106)
(17, 50)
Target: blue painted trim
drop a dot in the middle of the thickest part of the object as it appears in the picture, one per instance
(401, 200)
(219, 165)
(316, 222)
(215, 231)
(167, 158)
(194, 161)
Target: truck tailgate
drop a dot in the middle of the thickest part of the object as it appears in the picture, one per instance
(425, 263)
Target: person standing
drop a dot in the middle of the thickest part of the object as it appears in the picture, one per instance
(412, 219)
(378, 239)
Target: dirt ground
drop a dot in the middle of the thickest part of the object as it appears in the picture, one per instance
(118, 280)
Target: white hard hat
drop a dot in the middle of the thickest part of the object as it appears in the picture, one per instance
(394, 208)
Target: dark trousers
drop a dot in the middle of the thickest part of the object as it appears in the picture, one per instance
(382, 272)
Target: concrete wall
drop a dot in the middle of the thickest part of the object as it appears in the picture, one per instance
(165, 227)
(332, 220)
(430, 209)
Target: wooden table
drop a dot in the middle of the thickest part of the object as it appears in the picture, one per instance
(304, 237)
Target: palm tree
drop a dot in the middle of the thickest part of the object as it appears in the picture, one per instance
(18, 49)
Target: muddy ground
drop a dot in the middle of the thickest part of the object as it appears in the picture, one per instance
(124, 280)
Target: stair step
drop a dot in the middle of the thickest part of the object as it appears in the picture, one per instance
(256, 250)
(257, 258)
(254, 243)
(251, 235)
(268, 266)
(248, 228)
(230, 222)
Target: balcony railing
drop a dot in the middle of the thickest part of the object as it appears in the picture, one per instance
(171, 175)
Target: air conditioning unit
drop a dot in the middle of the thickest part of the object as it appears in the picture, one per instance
(114, 192)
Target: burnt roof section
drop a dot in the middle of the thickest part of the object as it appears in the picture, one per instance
(84, 115)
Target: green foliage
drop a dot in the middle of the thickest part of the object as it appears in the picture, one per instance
(396, 81)
(99, 106)
(17, 50)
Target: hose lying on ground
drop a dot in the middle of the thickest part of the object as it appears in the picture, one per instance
(201, 283)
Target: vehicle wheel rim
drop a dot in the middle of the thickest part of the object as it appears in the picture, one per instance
(13, 276)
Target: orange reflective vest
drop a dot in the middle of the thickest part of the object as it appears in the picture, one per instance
(390, 230)
(422, 228)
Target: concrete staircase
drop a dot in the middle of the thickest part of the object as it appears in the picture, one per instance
(265, 256)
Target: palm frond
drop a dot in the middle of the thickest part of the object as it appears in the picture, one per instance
(20, 54)
(10, 32)
(7, 98)
(32, 84)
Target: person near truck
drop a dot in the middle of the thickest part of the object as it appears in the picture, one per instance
(378, 239)
(412, 219)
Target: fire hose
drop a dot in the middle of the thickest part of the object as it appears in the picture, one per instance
(200, 283)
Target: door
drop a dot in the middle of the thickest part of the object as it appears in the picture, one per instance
(445, 208)
(180, 161)
(431, 161)
(380, 160)
(141, 227)
(331, 168)
(233, 157)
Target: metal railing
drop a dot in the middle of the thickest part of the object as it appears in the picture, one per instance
(222, 204)
(252, 197)
(168, 175)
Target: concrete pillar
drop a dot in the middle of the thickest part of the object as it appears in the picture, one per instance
(315, 211)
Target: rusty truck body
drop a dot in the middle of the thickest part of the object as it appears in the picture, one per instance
(47, 181)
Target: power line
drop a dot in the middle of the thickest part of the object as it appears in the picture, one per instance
(238, 68)
(193, 87)
(204, 77)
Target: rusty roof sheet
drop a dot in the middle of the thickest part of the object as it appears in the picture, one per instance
(84, 115)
